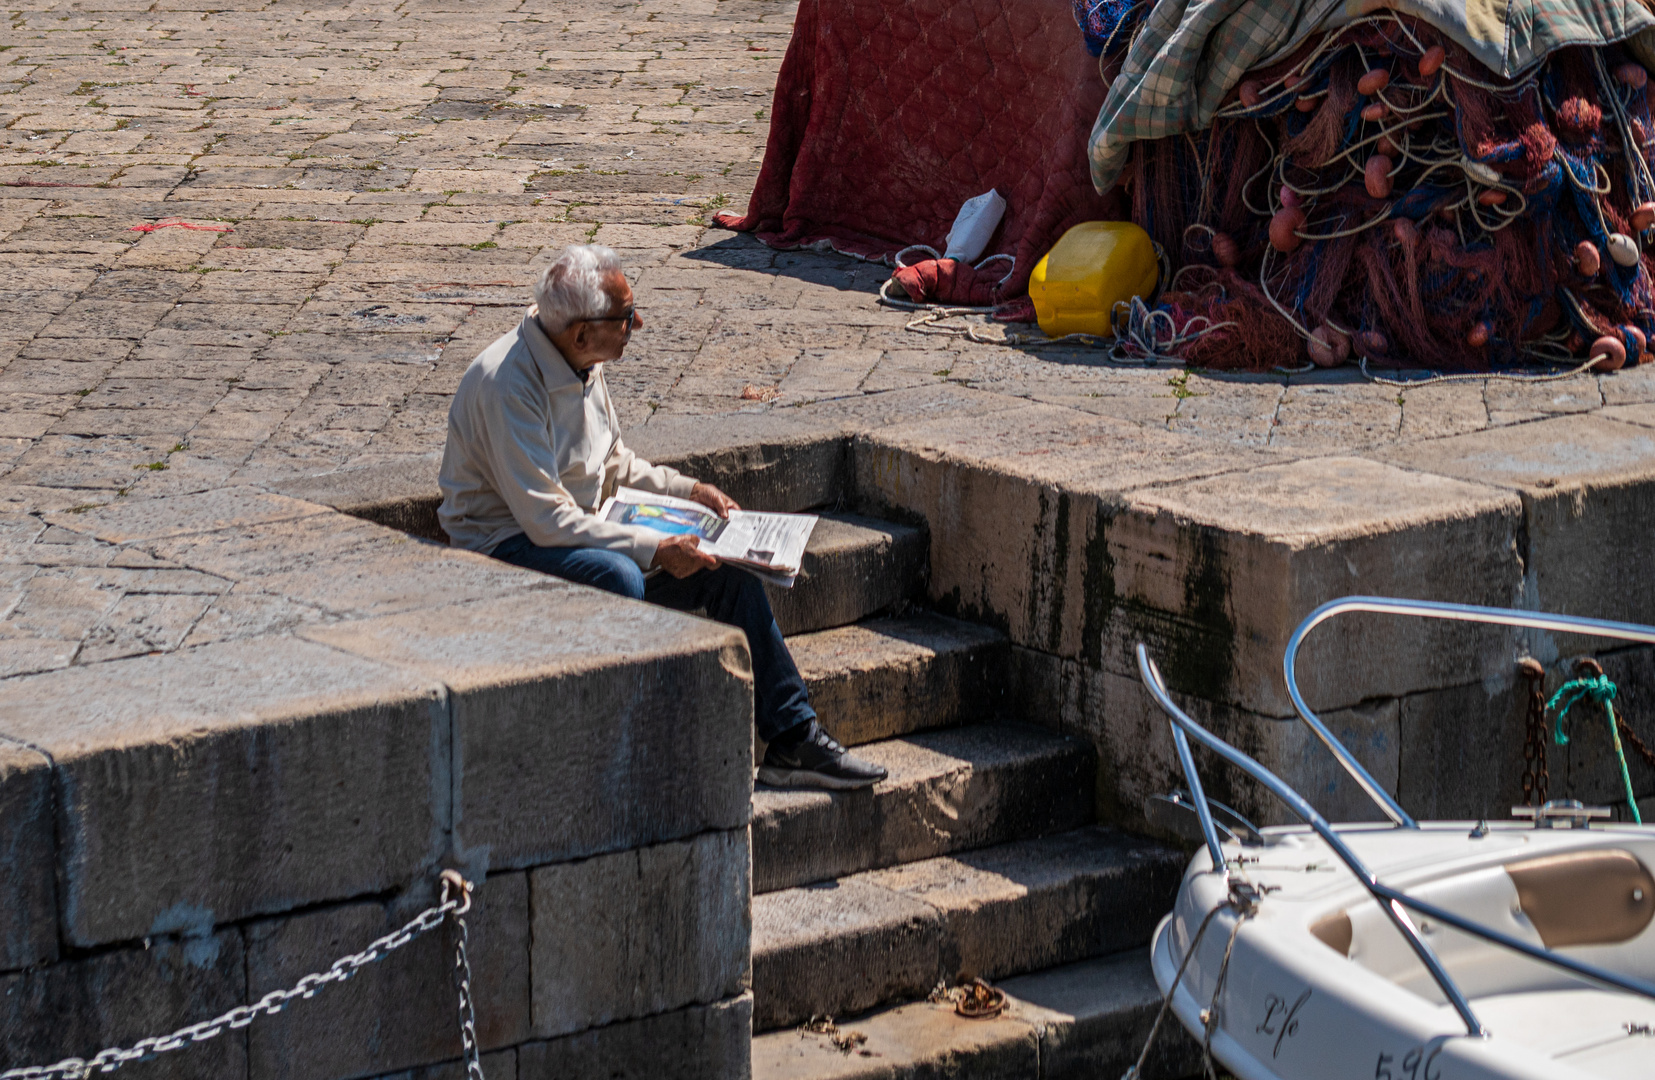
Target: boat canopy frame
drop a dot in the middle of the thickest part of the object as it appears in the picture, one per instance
(1396, 903)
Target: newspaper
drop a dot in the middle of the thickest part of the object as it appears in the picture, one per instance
(770, 545)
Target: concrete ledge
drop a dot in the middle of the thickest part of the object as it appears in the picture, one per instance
(557, 699)
(763, 461)
(400, 495)
(1588, 490)
(1308, 532)
(277, 784)
(232, 780)
(1168, 556)
(788, 465)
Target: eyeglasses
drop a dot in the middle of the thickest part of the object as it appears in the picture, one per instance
(624, 318)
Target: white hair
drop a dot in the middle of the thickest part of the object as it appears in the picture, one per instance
(571, 289)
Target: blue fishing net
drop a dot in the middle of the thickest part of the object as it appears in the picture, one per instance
(1108, 24)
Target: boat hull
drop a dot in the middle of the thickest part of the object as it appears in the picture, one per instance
(1293, 1007)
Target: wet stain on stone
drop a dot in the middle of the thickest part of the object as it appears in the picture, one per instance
(1097, 583)
(1057, 578)
(1048, 569)
(1197, 643)
(953, 604)
(1037, 547)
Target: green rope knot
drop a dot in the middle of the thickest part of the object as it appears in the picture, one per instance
(1597, 688)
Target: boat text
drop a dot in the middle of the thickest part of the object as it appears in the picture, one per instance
(1281, 1019)
(1417, 1064)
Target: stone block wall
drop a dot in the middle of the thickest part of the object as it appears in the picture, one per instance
(187, 827)
(1080, 535)
(1212, 559)
(184, 830)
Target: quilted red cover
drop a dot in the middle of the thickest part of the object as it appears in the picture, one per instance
(889, 114)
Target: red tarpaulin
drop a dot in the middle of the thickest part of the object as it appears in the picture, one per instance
(888, 115)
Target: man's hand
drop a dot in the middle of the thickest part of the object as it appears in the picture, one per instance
(682, 556)
(713, 499)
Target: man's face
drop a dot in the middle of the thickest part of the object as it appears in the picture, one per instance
(594, 341)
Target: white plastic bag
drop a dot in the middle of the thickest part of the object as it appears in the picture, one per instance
(976, 222)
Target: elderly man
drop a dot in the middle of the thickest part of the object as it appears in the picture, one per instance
(534, 448)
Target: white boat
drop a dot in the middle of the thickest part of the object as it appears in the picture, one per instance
(1409, 950)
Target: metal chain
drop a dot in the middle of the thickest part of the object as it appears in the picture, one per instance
(1536, 777)
(1636, 743)
(462, 980)
(276, 1000)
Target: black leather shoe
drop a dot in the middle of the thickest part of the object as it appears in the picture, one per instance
(816, 761)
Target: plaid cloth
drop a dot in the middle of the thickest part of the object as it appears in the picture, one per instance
(1190, 53)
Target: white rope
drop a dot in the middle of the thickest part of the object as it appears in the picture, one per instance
(1435, 378)
(927, 248)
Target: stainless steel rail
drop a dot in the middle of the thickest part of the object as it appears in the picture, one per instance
(1427, 609)
(1394, 902)
(1297, 803)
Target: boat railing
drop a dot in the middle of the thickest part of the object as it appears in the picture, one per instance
(1427, 609)
(1396, 903)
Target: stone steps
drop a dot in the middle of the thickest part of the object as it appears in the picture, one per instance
(948, 791)
(845, 946)
(974, 858)
(894, 676)
(1080, 1021)
(853, 567)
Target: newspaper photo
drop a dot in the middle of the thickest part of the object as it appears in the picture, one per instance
(770, 545)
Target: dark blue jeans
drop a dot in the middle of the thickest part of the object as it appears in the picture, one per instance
(728, 595)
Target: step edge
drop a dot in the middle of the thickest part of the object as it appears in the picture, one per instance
(941, 914)
(1059, 747)
(1052, 1029)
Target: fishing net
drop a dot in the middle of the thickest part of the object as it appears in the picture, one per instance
(1379, 194)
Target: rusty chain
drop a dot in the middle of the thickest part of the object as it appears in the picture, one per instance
(1536, 777)
(1588, 666)
(1636, 743)
(455, 901)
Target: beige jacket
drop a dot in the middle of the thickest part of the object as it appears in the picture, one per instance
(533, 449)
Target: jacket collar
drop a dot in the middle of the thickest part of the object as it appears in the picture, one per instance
(555, 372)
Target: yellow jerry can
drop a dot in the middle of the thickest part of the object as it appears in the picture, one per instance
(1096, 265)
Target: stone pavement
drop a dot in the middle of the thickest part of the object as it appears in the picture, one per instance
(246, 241)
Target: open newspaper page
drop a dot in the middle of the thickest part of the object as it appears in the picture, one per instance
(770, 545)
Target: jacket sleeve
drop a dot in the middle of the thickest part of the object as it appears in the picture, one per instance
(524, 466)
